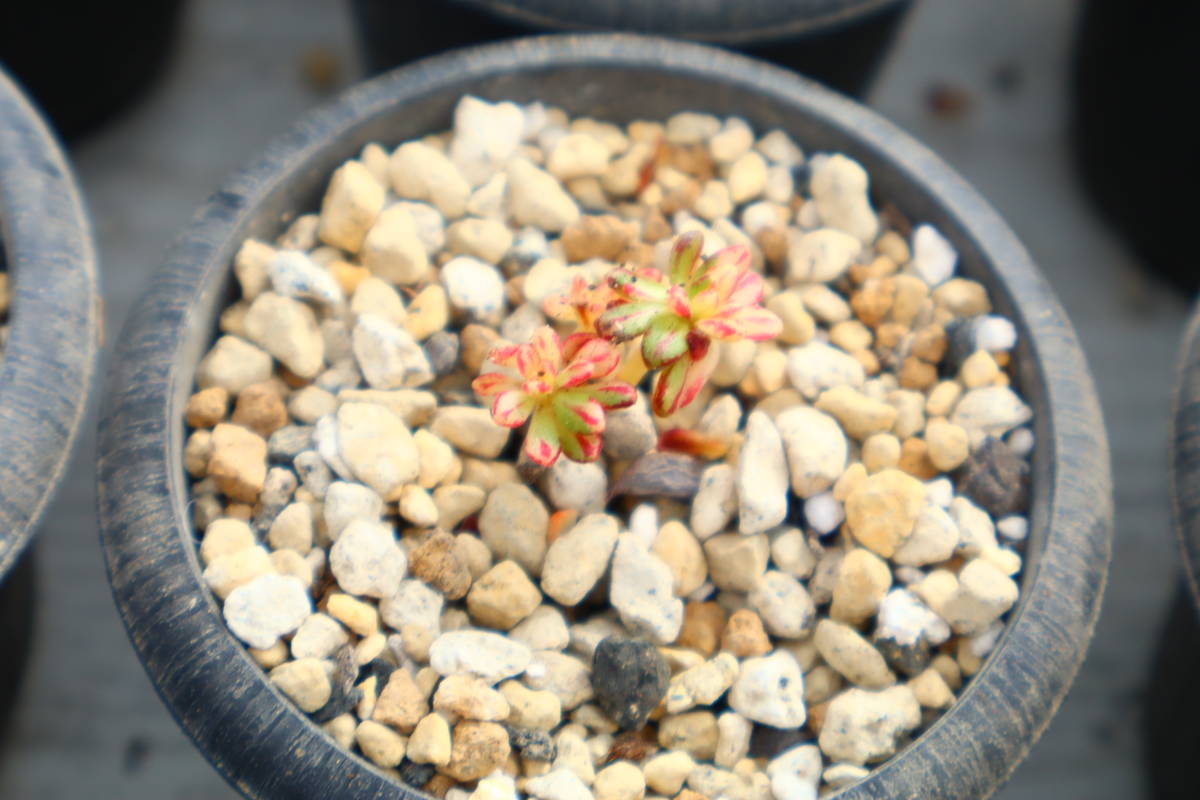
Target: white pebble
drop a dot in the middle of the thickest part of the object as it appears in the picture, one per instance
(933, 257)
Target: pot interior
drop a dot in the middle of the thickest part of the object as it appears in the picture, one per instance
(617, 94)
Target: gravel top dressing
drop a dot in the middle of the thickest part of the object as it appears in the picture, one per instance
(562, 459)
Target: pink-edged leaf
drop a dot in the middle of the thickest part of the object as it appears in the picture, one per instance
(512, 408)
(722, 268)
(747, 290)
(637, 287)
(616, 394)
(505, 355)
(560, 307)
(542, 443)
(578, 413)
(547, 350)
(537, 387)
(582, 446)
(684, 256)
(665, 340)
(490, 383)
(591, 359)
(628, 320)
(678, 384)
(679, 302)
(751, 322)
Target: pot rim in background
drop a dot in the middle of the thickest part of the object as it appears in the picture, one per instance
(54, 320)
(1185, 453)
(222, 699)
(768, 21)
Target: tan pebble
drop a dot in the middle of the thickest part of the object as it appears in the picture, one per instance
(487, 475)
(360, 617)
(702, 627)
(289, 562)
(597, 236)
(370, 695)
(680, 659)
(880, 451)
(859, 414)
(798, 325)
(948, 668)
(379, 743)
(695, 733)
(479, 749)
(821, 683)
(929, 343)
(911, 293)
(744, 635)
(474, 553)
(341, 730)
(851, 335)
(850, 480)
(476, 341)
(207, 407)
(197, 452)
(292, 529)
(844, 649)
(428, 313)
(456, 502)
(769, 368)
(437, 563)
(914, 459)
(949, 444)
(427, 679)
(666, 772)
(968, 660)
(238, 462)
(676, 545)
(347, 275)
(889, 335)
(530, 708)
(272, 656)
(863, 580)
(470, 697)
(910, 412)
(227, 572)
(417, 506)
(917, 374)
(619, 781)
(980, 369)
(225, 536)
(689, 794)
(873, 300)
(883, 509)
(417, 640)
(350, 207)
(931, 690)
(736, 562)
(503, 596)
(401, 704)
(943, 398)
(430, 741)
(439, 785)
(892, 245)
(962, 297)
(370, 648)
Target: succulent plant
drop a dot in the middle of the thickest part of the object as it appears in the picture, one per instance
(680, 313)
(560, 387)
(582, 304)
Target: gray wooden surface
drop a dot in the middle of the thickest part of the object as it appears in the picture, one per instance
(89, 721)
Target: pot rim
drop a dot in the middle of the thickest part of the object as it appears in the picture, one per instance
(1185, 453)
(785, 19)
(47, 368)
(181, 638)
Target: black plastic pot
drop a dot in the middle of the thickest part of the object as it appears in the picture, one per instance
(1173, 699)
(84, 63)
(838, 42)
(46, 368)
(267, 748)
(1138, 163)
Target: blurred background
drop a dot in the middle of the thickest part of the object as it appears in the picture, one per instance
(987, 84)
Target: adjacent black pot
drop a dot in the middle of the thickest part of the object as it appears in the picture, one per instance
(46, 368)
(84, 63)
(838, 42)
(267, 748)
(1132, 63)
(1173, 699)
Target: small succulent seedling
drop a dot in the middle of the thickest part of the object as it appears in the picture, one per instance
(564, 387)
(679, 314)
(561, 388)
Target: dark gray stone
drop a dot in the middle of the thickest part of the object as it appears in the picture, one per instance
(996, 479)
(630, 678)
